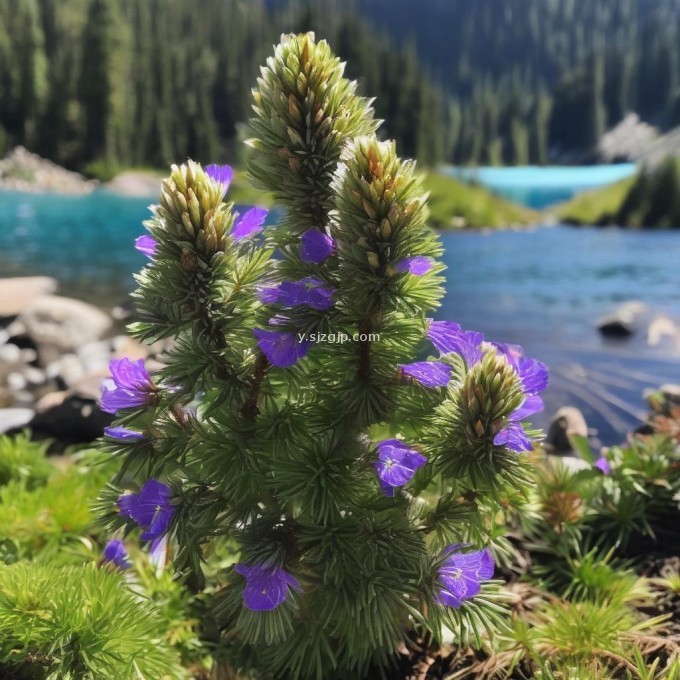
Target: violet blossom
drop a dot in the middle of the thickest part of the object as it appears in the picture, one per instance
(282, 348)
(266, 587)
(150, 508)
(115, 553)
(428, 373)
(316, 246)
(130, 386)
(461, 574)
(396, 464)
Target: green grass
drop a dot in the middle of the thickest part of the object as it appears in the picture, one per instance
(455, 205)
(596, 207)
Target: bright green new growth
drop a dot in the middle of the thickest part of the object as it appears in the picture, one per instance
(279, 463)
(80, 622)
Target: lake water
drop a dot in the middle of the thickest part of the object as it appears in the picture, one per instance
(539, 187)
(544, 289)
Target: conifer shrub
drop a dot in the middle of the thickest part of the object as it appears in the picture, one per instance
(354, 458)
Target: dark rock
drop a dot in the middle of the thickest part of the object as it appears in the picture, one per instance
(72, 419)
(623, 322)
(670, 393)
(568, 421)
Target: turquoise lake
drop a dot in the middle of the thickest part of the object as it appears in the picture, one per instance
(539, 187)
(542, 288)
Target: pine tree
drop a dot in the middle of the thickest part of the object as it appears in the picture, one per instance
(361, 493)
(96, 80)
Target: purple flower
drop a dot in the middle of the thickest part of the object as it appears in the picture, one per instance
(397, 463)
(146, 244)
(533, 376)
(417, 265)
(115, 552)
(448, 336)
(132, 386)
(602, 464)
(269, 295)
(319, 295)
(281, 348)
(461, 574)
(428, 373)
(532, 373)
(292, 294)
(531, 405)
(222, 174)
(150, 508)
(250, 224)
(266, 587)
(310, 291)
(123, 433)
(316, 246)
(513, 437)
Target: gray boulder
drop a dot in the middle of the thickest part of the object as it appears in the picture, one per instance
(60, 325)
(18, 293)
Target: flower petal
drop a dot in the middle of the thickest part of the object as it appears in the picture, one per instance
(222, 174)
(316, 246)
(123, 433)
(146, 244)
(249, 224)
(428, 373)
(417, 265)
(513, 437)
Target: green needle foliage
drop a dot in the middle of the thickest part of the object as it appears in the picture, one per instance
(23, 461)
(278, 462)
(77, 623)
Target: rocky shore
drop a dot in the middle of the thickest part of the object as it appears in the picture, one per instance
(54, 355)
(22, 170)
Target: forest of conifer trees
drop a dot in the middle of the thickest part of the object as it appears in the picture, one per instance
(104, 84)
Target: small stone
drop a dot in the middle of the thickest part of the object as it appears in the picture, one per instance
(568, 421)
(14, 418)
(74, 420)
(34, 376)
(623, 322)
(10, 354)
(50, 401)
(660, 328)
(57, 325)
(68, 370)
(16, 382)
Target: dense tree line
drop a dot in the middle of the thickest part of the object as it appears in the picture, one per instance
(526, 80)
(108, 83)
(654, 198)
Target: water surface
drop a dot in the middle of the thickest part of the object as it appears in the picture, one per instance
(540, 187)
(544, 289)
